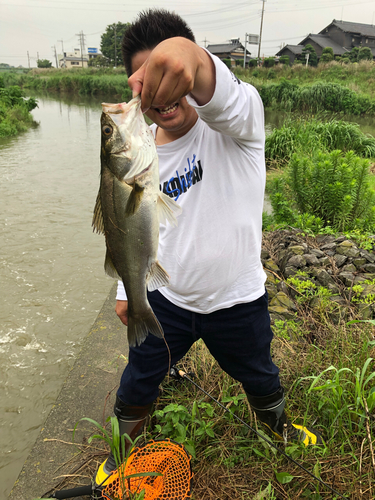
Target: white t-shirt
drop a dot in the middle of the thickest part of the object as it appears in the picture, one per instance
(216, 173)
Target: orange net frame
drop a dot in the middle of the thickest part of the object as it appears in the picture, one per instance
(165, 457)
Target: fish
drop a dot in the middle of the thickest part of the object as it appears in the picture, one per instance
(128, 210)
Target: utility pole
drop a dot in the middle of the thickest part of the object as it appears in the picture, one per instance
(62, 46)
(115, 27)
(261, 29)
(244, 52)
(81, 37)
(54, 48)
(28, 58)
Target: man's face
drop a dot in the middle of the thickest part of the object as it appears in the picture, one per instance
(177, 118)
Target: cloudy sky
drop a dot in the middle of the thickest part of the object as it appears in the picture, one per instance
(38, 26)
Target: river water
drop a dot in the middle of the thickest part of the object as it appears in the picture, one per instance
(51, 266)
(51, 263)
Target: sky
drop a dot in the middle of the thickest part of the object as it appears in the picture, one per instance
(37, 28)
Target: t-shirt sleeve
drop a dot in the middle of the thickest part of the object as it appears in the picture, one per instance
(235, 109)
(121, 294)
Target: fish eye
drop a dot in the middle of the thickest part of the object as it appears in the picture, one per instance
(107, 130)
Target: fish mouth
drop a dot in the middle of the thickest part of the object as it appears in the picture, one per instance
(167, 110)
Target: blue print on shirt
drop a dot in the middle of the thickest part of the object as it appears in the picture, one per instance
(180, 183)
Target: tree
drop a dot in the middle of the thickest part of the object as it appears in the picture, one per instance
(110, 44)
(353, 54)
(44, 63)
(269, 62)
(313, 58)
(327, 55)
(364, 53)
(284, 60)
(98, 62)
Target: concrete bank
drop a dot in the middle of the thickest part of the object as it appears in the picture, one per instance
(95, 373)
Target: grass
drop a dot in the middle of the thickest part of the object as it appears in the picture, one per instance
(359, 77)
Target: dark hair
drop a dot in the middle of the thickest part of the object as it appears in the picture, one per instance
(152, 27)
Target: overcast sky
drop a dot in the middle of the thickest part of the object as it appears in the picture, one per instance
(37, 26)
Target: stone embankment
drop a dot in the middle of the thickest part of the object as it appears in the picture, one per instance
(343, 272)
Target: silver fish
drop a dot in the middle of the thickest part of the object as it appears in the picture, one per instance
(128, 210)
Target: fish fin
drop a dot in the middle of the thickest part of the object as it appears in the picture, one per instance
(157, 278)
(97, 220)
(168, 209)
(134, 200)
(138, 328)
(109, 267)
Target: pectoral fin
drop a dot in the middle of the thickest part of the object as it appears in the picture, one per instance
(157, 278)
(109, 267)
(97, 220)
(168, 210)
(134, 200)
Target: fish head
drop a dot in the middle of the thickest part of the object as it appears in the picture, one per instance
(128, 146)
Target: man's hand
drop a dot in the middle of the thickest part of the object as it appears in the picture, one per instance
(122, 310)
(175, 68)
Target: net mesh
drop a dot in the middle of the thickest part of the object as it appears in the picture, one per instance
(164, 457)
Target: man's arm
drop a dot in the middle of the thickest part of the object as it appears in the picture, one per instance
(176, 67)
(122, 310)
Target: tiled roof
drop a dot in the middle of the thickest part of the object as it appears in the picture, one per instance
(295, 49)
(224, 47)
(363, 29)
(324, 41)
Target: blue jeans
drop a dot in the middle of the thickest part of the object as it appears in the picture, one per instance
(238, 337)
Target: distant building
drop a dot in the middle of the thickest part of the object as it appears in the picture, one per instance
(341, 36)
(233, 50)
(73, 60)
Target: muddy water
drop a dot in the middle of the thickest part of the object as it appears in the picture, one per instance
(52, 282)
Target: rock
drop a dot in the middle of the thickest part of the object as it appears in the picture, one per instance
(324, 261)
(272, 291)
(329, 246)
(282, 299)
(323, 277)
(296, 250)
(311, 259)
(340, 259)
(347, 248)
(264, 255)
(350, 268)
(282, 287)
(370, 257)
(290, 271)
(271, 278)
(370, 268)
(297, 261)
(271, 264)
(364, 311)
(347, 278)
(279, 312)
(360, 262)
(317, 252)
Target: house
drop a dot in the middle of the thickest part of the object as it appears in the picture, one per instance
(341, 36)
(73, 60)
(233, 50)
(292, 51)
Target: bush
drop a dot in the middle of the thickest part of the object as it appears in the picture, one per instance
(227, 62)
(327, 55)
(365, 53)
(306, 136)
(284, 60)
(330, 188)
(269, 62)
(253, 63)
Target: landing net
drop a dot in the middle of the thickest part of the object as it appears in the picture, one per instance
(166, 457)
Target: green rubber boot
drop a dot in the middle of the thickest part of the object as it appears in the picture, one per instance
(270, 411)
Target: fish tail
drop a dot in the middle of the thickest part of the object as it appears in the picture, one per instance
(139, 327)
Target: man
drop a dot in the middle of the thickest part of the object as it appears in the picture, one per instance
(209, 131)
